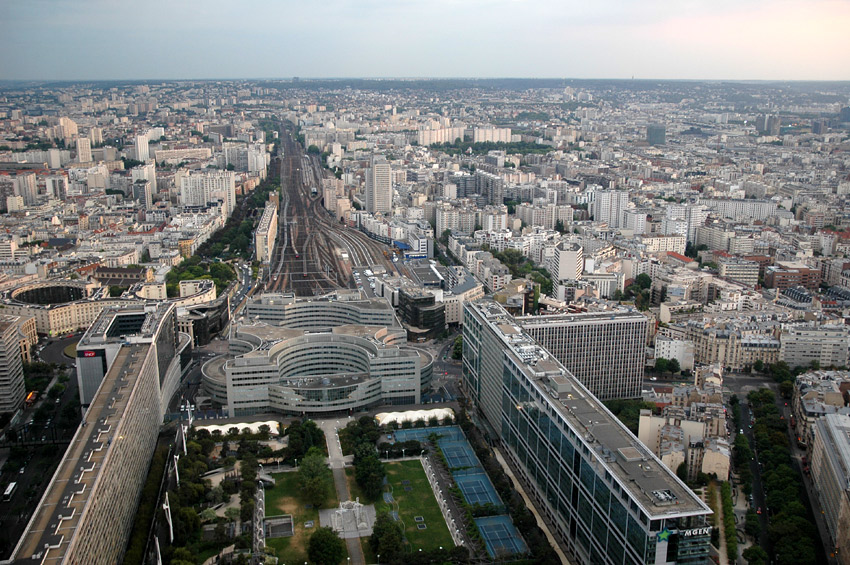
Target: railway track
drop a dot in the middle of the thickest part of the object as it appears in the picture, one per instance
(306, 259)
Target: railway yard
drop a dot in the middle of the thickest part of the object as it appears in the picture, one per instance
(314, 254)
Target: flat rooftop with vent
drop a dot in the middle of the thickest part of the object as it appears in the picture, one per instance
(652, 485)
(90, 458)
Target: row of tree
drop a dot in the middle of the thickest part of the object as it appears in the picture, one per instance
(663, 365)
(792, 532)
(234, 239)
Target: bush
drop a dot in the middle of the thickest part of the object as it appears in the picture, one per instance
(729, 522)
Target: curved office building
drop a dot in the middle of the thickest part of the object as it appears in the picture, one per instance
(322, 312)
(290, 371)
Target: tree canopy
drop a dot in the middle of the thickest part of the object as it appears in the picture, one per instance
(325, 547)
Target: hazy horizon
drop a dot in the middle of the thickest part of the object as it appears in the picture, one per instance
(723, 40)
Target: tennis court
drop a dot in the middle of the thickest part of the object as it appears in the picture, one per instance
(477, 488)
(500, 536)
(458, 454)
(421, 434)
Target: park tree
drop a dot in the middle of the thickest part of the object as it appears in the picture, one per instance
(314, 477)
(232, 514)
(325, 547)
(661, 364)
(368, 470)
(386, 539)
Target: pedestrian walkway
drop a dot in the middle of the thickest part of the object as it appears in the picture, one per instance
(723, 552)
(440, 483)
(336, 461)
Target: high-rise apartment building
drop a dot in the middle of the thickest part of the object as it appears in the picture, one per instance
(739, 270)
(800, 346)
(604, 350)
(145, 172)
(83, 150)
(202, 188)
(26, 187)
(608, 206)
(142, 151)
(608, 498)
(566, 261)
(684, 219)
(12, 389)
(491, 186)
(379, 187)
(143, 193)
(96, 136)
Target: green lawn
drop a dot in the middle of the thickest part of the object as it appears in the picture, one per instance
(285, 498)
(419, 501)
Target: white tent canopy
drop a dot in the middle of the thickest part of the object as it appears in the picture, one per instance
(274, 427)
(414, 415)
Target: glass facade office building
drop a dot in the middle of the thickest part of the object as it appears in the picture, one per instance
(609, 499)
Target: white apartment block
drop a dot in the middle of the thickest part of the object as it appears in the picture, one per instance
(608, 206)
(828, 345)
(266, 233)
(664, 244)
(566, 262)
(199, 189)
(491, 134)
(681, 350)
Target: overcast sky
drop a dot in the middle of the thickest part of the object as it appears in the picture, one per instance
(673, 39)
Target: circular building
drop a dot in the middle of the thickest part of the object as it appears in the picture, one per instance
(290, 371)
(59, 306)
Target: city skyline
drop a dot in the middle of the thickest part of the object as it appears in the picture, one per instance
(755, 40)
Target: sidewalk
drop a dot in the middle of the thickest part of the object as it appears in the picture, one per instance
(451, 513)
(541, 523)
(723, 553)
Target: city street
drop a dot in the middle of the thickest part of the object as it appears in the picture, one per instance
(741, 384)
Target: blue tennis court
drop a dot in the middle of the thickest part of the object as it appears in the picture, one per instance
(458, 454)
(421, 434)
(477, 488)
(500, 536)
